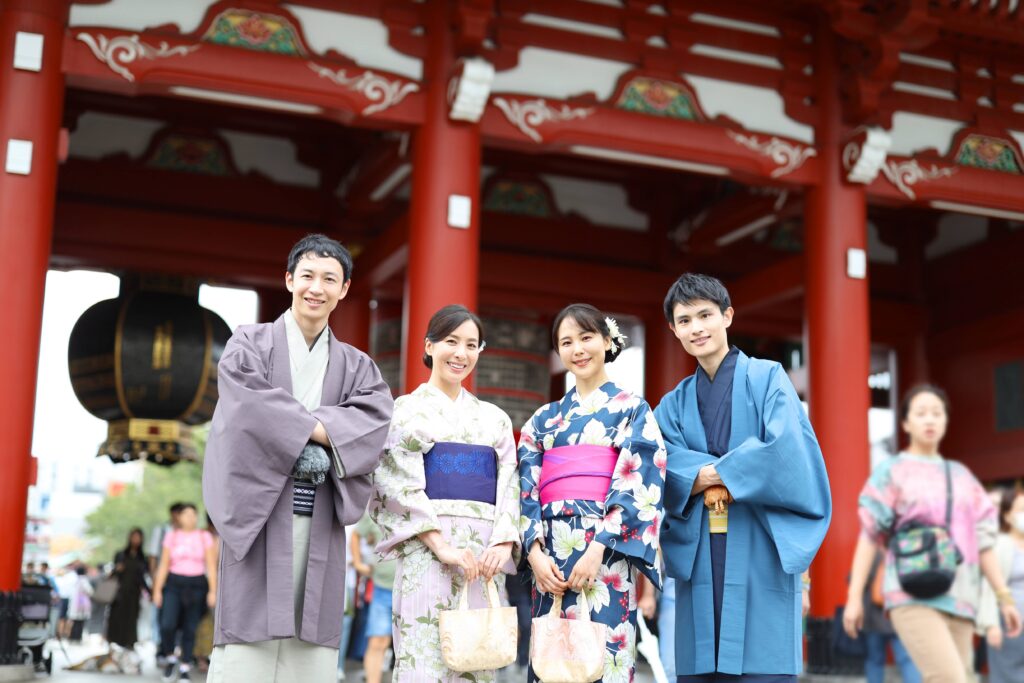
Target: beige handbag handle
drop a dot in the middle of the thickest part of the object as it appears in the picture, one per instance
(490, 592)
(583, 614)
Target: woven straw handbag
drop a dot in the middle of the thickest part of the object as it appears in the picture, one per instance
(568, 650)
(479, 639)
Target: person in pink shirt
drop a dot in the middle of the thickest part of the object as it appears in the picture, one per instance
(186, 583)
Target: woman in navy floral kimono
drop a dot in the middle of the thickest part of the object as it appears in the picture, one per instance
(592, 472)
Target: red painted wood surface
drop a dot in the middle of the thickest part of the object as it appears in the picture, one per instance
(838, 341)
(443, 260)
(30, 109)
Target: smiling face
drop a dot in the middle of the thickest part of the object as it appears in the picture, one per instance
(926, 420)
(455, 356)
(700, 326)
(317, 285)
(582, 351)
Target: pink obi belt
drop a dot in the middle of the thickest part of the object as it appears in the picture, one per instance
(577, 473)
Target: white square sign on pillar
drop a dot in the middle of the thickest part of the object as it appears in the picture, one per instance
(19, 157)
(28, 51)
(856, 264)
(460, 211)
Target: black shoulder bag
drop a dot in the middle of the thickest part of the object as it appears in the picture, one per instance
(926, 556)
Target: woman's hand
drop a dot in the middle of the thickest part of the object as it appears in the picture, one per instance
(853, 618)
(363, 569)
(158, 598)
(1011, 619)
(647, 604)
(994, 637)
(585, 572)
(493, 558)
(211, 599)
(547, 574)
(459, 557)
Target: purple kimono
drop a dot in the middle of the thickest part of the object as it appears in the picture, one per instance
(257, 434)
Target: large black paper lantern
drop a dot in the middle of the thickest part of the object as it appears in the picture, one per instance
(146, 362)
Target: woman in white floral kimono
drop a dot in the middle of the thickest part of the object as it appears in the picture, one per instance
(592, 472)
(446, 497)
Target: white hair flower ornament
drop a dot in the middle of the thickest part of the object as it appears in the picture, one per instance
(618, 339)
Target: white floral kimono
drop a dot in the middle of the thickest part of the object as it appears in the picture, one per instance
(401, 506)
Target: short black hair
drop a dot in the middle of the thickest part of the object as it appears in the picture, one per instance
(445, 321)
(324, 246)
(188, 506)
(923, 388)
(589, 319)
(692, 287)
(176, 508)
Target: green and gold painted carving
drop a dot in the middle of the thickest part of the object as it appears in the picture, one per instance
(991, 154)
(191, 154)
(658, 98)
(255, 31)
(519, 197)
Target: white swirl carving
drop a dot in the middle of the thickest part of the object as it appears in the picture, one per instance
(381, 92)
(527, 115)
(784, 154)
(904, 174)
(863, 157)
(122, 50)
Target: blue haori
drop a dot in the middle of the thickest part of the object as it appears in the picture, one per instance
(461, 471)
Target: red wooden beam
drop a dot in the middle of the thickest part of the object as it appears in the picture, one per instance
(940, 184)
(739, 217)
(315, 86)
(127, 238)
(590, 130)
(780, 282)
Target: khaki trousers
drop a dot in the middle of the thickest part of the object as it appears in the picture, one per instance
(287, 660)
(939, 643)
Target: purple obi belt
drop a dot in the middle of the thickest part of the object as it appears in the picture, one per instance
(461, 471)
(577, 473)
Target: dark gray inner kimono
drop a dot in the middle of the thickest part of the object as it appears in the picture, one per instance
(257, 434)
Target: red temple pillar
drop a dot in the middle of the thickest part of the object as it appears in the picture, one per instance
(665, 361)
(350, 321)
(272, 302)
(837, 333)
(444, 217)
(31, 103)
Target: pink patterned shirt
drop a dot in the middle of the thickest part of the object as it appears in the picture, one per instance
(912, 488)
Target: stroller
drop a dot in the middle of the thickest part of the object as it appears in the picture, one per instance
(37, 626)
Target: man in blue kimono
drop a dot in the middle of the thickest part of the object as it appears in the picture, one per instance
(747, 500)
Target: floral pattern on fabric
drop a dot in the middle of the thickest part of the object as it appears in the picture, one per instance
(627, 522)
(400, 506)
(909, 489)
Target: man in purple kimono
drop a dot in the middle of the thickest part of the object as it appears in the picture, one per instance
(299, 427)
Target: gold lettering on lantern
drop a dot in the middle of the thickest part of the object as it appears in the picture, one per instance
(163, 336)
(164, 391)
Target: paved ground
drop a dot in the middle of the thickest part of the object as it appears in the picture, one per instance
(76, 653)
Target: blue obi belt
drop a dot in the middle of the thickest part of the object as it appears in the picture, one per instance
(461, 471)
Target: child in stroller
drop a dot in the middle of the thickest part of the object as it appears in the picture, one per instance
(37, 623)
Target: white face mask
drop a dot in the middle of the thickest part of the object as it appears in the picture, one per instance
(1018, 521)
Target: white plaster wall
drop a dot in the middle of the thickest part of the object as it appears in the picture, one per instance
(360, 38)
(758, 109)
(137, 15)
(914, 132)
(561, 75)
(601, 203)
(879, 251)
(956, 231)
(100, 135)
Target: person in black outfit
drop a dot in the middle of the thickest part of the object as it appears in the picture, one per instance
(131, 567)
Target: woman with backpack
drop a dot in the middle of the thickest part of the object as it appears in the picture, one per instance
(938, 527)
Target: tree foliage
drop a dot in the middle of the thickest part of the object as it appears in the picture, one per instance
(144, 505)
